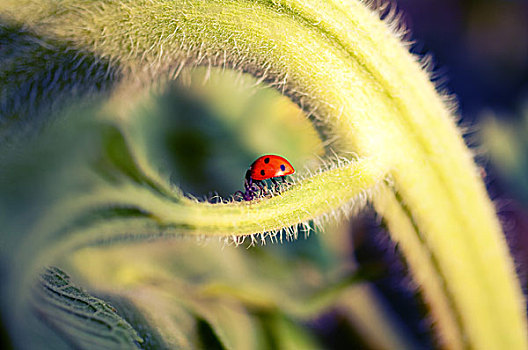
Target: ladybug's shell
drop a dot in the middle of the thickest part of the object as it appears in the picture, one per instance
(269, 166)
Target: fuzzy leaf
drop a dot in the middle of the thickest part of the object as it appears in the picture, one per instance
(84, 320)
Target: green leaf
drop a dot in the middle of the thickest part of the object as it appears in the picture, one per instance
(87, 322)
(179, 284)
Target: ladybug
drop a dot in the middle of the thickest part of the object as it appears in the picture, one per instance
(266, 167)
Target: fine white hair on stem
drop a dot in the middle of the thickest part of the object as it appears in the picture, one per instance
(291, 232)
(388, 11)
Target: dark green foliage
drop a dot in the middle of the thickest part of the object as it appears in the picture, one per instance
(87, 322)
(39, 75)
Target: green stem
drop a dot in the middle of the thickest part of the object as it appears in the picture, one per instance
(112, 212)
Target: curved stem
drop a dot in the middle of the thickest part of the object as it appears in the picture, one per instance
(350, 184)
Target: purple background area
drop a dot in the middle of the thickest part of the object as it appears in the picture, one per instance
(479, 46)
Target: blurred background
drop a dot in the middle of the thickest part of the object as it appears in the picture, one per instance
(480, 48)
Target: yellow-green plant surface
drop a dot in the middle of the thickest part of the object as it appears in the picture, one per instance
(365, 94)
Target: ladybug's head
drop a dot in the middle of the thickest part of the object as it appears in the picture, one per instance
(248, 176)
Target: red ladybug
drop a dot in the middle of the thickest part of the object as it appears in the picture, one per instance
(269, 166)
(263, 168)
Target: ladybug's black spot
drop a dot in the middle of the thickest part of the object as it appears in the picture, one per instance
(266, 160)
(283, 168)
(262, 173)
